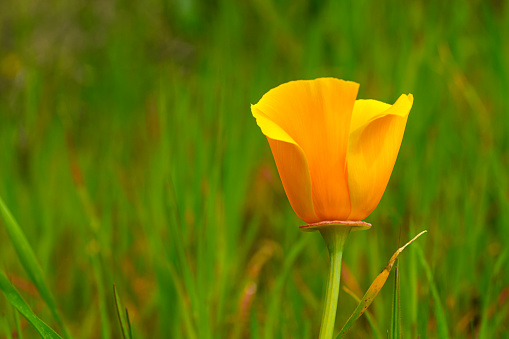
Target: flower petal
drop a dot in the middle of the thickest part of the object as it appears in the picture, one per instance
(377, 132)
(292, 167)
(364, 111)
(316, 115)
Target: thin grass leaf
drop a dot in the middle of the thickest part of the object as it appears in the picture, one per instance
(184, 301)
(443, 331)
(5, 325)
(413, 300)
(101, 293)
(175, 229)
(500, 320)
(274, 308)
(17, 301)
(29, 261)
(17, 322)
(395, 323)
(125, 326)
(128, 324)
(375, 330)
(373, 290)
(500, 263)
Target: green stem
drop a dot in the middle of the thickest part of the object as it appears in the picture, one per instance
(335, 238)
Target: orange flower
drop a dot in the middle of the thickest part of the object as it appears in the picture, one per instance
(334, 153)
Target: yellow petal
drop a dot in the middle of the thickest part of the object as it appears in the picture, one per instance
(377, 132)
(316, 115)
(364, 111)
(292, 167)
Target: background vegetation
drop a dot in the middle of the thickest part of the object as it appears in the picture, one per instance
(128, 155)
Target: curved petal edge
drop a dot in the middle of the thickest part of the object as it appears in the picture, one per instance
(372, 153)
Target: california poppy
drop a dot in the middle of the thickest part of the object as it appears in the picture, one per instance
(334, 153)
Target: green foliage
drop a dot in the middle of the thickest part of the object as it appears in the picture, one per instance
(123, 316)
(443, 331)
(395, 320)
(17, 301)
(373, 291)
(28, 260)
(128, 154)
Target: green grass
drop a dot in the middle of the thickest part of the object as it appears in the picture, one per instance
(129, 156)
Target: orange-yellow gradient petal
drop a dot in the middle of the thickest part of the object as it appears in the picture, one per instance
(375, 138)
(316, 115)
(293, 170)
(292, 167)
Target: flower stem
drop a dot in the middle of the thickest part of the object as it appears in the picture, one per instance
(335, 238)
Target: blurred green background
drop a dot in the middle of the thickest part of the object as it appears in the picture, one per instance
(128, 155)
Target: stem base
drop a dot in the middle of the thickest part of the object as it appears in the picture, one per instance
(335, 238)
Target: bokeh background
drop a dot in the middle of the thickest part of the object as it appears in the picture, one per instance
(128, 155)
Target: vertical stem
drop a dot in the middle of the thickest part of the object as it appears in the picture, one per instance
(335, 238)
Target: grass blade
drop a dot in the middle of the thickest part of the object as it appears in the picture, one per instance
(413, 283)
(123, 317)
(130, 331)
(29, 262)
(373, 290)
(17, 301)
(395, 324)
(17, 322)
(274, 308)
(443, 331)
(5, 325)
(101, 294)
(375, 330)
(184, 301)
